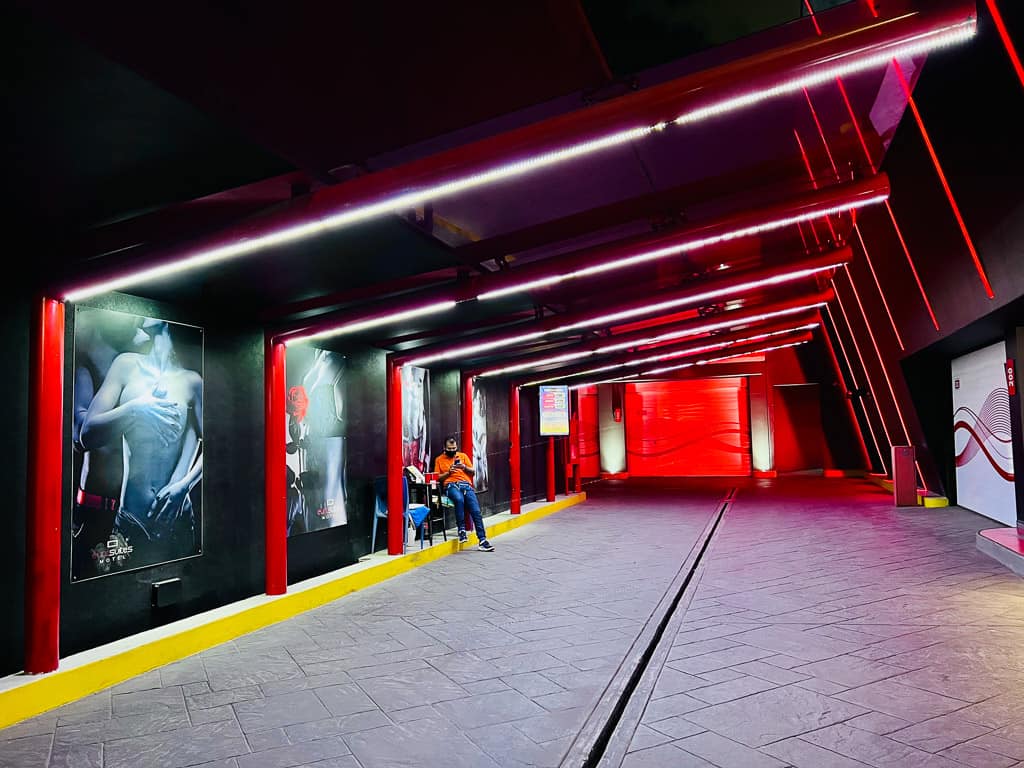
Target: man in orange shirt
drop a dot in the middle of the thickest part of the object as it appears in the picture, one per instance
(456, 476)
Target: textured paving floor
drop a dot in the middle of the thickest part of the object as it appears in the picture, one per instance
(821, 635)
(478, 659)
(841, 636)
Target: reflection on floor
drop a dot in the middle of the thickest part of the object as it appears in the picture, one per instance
(825, 631)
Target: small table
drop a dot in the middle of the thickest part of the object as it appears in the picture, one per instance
(423, 493)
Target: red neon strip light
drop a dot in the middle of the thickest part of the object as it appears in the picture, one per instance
(835, 170)
(821, 133)
(810, 10)
(848, 401)
(863, 365)
(997, 17)
(899, 234)
(913, 269)
(810, 173)
(856, 123)
(867, 257)
(885, 372)
(803, 154)
(871, 7)
(945, 184)
(800, 229)
(853, 378)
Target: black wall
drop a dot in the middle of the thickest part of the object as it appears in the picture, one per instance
(14, 338)
(929, 377)
(100, 610)
(445, 418)
(533, 449)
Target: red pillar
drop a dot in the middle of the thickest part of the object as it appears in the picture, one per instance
(393, 464)
(467, 430)
(515, 504)
(274, 472)
(551, 469)
(45, 462)
(467, 415)
(574, 440)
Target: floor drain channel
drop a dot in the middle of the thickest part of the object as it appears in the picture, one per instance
(596, 752)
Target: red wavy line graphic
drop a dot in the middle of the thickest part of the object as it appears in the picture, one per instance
(988, 430)
(974, 445)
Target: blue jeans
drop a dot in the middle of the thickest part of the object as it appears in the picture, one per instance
(462, 494)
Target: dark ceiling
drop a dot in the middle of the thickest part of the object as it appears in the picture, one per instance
(142, 126)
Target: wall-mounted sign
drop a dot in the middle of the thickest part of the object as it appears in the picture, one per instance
(983, 447)
(554, 411)
(1011, 378)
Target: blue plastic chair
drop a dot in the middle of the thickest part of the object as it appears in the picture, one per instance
(415, 514)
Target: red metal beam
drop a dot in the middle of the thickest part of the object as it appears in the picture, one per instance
(740, 350)
(648, 306)
(275, 469)
(46, 484)
(808, 204)
(660, 204)
(678, 350)
(685, 332)
(472, 163)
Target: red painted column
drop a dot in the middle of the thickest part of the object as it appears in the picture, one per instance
(551, 469)
(467, 415)
(467, 430)
(45, 462)
(274, 471)
(574, 440)
(393, 464)
(515, 503)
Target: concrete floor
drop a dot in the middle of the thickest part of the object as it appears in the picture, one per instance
(826, 629)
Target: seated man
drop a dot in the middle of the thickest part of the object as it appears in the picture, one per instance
(456, 476)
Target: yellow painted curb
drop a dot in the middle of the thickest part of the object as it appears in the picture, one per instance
(932, 501)
(51, 690)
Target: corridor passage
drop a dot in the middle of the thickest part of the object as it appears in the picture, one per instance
(825, 629)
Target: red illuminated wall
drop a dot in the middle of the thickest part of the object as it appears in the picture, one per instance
(589, 445)
(690, 428)
(799, 437)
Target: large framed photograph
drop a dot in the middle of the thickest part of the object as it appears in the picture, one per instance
(416, 418)
(315, 440)
(137, 443)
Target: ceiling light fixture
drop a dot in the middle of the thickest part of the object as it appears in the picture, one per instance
(832, 67)
(686, 247)
(375, 322)
(677, 354)
(630, 376)
(613, 317)
(724, 322)
(666, 369)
